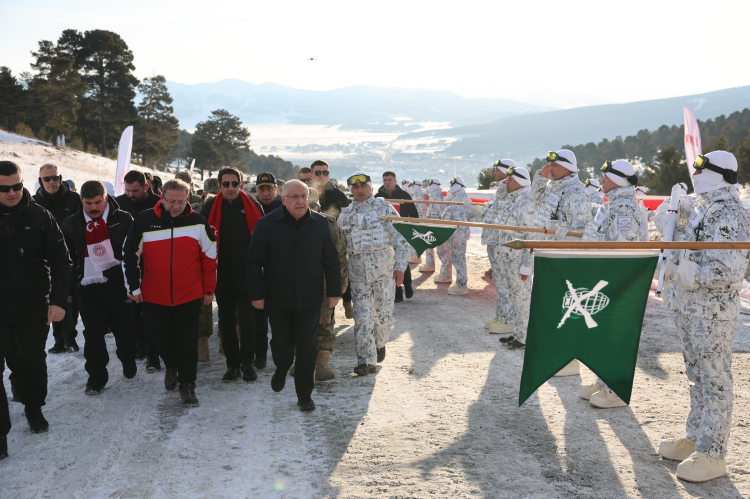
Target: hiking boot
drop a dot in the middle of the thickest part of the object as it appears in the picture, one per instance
(604, 399)
(322, 371)
(93, 389)
(588, 390)
(306, 406)
(489, 322)
(58, 348)
(513, 345)
(457, 290)
(203, 349)
(278, 381)
(700, 467)
(381, 354)
(507, 339)
(408, 290)
(426, 268)
(232, 374)
(141, 353)
(676, 449)
(399, 294)
(248, 373)
(441, 278)
(260, 362)
(129, 370)
(187, 393)
(3, 447)
(364, 369)
(571, 369)
(152, 366)
(500, 328)
(170, 378)
(348, 312)
(71, 346)
(36, 420)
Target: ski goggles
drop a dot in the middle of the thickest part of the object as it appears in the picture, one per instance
(454, 181)
(554, 157)
(6, 188)
(513, 173)
(607, 168)
(432, 182)
(588, 182)
(703, 163)
(363, 179)
(500, 164)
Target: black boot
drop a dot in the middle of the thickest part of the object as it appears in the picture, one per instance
(515, 344)
(306, 406)
(58, 348)
(153, 365)
(170, 378)
(364, 369)
(408, 290)
(232, 374)
(3, 447)
(187, 393)
(381, 354)
(278, 381)
(399, 294)
(507, 339)
(71, 345)
(36, 420)
(248, 373)
(93, 388)
(260, 361)
(129, 369)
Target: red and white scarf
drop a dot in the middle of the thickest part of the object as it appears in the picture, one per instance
(252, 214)
(99, 256)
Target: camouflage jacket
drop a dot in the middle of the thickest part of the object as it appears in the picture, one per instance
(340, 242)
(539, 186)
(489, 213)
(567, 204)
(435, 211)
(459, 213)
(712, 216)
(374, 246)
(619, 219)
(597, 202)
(521, 211)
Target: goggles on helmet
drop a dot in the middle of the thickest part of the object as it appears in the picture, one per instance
(607, 168)
(554, 157)
(454, 181)
(589, 183)
(703, 163)
(500, 164)
(432, 182)
(513, 173)
(363, 179)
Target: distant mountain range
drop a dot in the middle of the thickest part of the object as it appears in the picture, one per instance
(531, 134)
(360, 107)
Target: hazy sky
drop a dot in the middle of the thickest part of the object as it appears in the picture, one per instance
(560, 52)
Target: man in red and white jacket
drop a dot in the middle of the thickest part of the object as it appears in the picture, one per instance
(169, 260)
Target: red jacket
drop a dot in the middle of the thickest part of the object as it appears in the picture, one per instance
(176, 257)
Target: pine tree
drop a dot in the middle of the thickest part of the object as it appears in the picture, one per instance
(226, 134)
(666, 171)
(12, 100)
(157, 129)
(207, 158)
(486, 177)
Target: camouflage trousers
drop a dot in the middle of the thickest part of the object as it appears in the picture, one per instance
(372, 307)
(707, 350)
(518, 297)
(326, 338)
(206, 321)
(503, 305)
(457, 245)
(429, 257)
(444, 253)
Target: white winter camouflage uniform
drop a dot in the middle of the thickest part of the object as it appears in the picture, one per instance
(375, 250)
(489, 214)
(457, 241)
(596, 202)
(618, 220)
(561, 202)
(435, 211)
(707, 316)
(521, 211)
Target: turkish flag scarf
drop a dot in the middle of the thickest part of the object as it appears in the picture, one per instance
(252, 214)
(99, 256)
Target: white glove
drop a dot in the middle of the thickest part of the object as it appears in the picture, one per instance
(561, 232)
(684, 278)
(475, 210)
(670, 269)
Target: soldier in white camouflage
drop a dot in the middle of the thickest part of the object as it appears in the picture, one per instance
(457, 241)
(435, 211)
(377, 261)
(564, 207)
(704, 296)
(593, 189)
(620, 219)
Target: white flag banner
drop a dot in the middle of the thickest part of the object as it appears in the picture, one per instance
(192, 169)
(123, 160)
(692, 139)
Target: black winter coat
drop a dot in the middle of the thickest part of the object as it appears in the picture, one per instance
(268, 208)
(235, 237)
(407, 209)
(36, 265)
(63, 204)
(288, 261)
(134, 209)
(74, 230)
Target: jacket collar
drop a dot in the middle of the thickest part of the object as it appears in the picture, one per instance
(165, 215)
(565, 181)
(722, 194)
(64, 189)
(22, 204)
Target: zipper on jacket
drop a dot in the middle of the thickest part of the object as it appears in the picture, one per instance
(171, 257)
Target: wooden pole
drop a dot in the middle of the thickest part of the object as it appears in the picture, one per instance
(428, 202)
(475, 224)
(676, 245)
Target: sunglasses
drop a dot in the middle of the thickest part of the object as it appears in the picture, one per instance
(513, 173)
(607, 168)
(234, 183)
(50, 179)
(6, 188)
(321, 172)
(703, 163)
(553, 156)
(363, 179)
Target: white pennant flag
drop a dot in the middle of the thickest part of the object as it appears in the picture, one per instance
(192, 168)
(692, 139)
(123, 160)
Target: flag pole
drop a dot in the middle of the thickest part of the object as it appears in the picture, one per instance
(533, 244)
(428, 202)
(474, 224)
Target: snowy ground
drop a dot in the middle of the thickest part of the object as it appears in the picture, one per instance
(439, 419)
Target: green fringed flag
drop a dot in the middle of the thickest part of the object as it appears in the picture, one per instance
(587, 305)
(424, 236)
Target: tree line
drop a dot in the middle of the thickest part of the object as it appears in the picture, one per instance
(83, 87)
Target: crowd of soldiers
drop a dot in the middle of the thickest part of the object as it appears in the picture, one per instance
(374, 260)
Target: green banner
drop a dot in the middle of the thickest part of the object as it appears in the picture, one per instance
(587, 305)
(424, 236)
